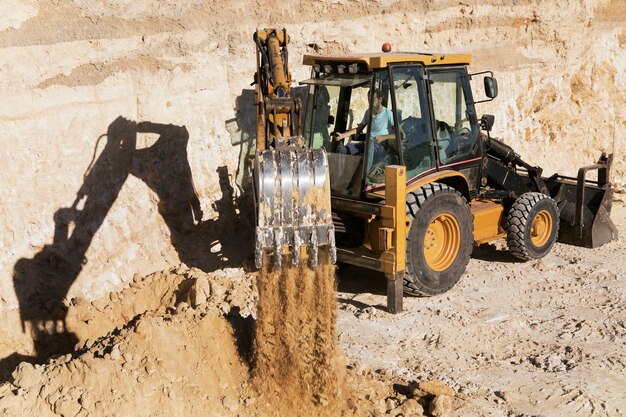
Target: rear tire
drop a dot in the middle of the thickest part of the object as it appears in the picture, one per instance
(532, 226)
(439, 241)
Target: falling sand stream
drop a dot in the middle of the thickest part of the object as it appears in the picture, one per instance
(298, 366)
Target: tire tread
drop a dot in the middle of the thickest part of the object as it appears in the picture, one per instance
(415, 202)
(517, 224)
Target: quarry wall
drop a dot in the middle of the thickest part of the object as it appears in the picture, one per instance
(125, 125)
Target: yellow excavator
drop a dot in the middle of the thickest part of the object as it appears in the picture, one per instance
(388, 166)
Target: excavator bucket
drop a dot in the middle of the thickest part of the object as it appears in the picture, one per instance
(585, 206)
(293, 205)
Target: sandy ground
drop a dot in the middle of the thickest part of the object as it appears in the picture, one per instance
(539, 338)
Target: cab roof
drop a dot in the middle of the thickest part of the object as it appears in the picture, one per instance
(382, 59)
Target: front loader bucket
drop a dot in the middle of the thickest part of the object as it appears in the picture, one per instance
(292, 188)
(585, 206)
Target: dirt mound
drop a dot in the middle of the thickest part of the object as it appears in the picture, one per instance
(175, 364)
(180, 342)
(157, 356)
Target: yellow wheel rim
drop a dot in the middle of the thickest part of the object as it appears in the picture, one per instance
(442, 242)
(541, 228)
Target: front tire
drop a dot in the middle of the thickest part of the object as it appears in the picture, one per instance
(532, 226)
(439, 242)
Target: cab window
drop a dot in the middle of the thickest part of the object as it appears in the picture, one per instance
(336, 103)
(412, 109)
(455, 125)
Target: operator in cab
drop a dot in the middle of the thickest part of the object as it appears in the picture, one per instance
(381, 131)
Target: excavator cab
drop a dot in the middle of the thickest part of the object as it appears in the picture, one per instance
(407, 130)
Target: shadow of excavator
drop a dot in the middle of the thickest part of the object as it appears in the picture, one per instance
(42, 282)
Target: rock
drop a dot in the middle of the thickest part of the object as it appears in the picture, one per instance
(53, 397)
(25, 375)
(219, 293)
(141, 327)
(150, 369)
(87, 400)
(200, 291)
(502, 395)
(409, 408)
(65, 407)
(433, 388)
(441, 406)
(554, 363)
(115, 353)
(230, 404)
(180, 269)
(83, 413)
(390, 404)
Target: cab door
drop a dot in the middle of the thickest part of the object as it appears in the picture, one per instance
(411, 103)
(412, 143)
(454, 122)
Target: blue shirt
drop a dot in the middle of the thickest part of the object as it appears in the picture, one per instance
(382, 123)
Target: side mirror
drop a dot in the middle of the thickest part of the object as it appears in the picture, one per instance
(491, 87)
(331, 120)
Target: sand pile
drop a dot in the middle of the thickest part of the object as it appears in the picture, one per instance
(157, 355)
(181, 342)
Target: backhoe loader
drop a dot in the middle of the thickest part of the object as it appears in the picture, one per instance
(412, 200)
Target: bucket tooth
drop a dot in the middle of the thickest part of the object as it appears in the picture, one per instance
(258, 249)
(297, 242)
(333, 247)
(278, 253)
(313, 249)
(313, 261)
